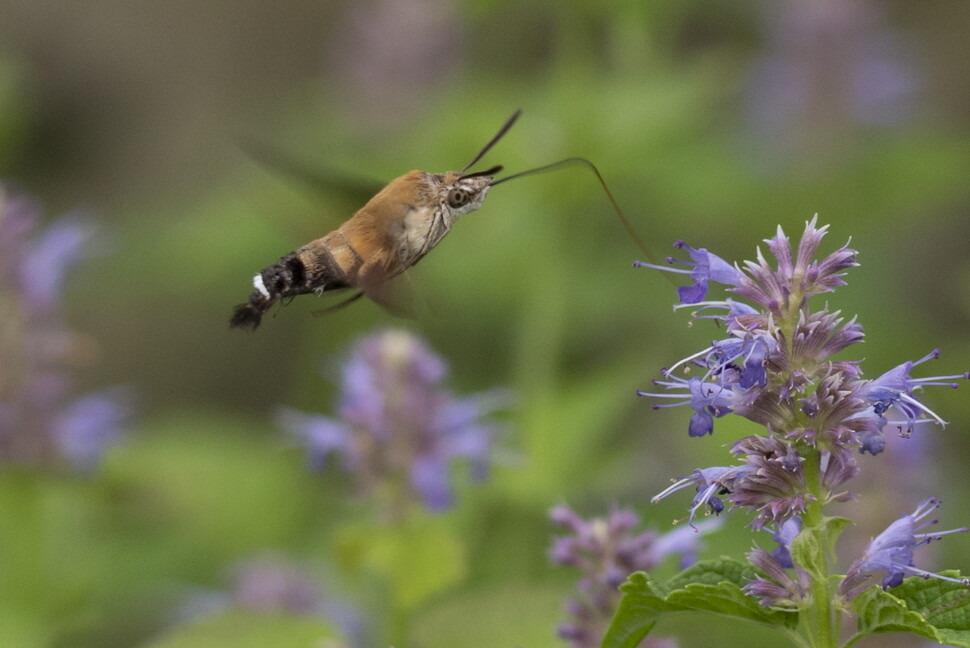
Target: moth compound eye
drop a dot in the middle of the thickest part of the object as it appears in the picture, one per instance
(458, 197)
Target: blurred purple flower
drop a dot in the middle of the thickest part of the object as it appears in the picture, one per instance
(274, 584)
(385, 55)
(91, 424)
(270, 583)
(829, 69)
(607, 551)
(38, 423)
(398, 426)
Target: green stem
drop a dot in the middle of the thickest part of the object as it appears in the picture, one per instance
(819, 622)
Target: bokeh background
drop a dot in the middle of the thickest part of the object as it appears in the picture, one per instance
(713, 122)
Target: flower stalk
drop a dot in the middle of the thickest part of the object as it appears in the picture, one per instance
(823, 623)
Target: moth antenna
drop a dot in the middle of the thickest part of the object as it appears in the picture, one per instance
(609, 194)
(501, 132)
(487, 172)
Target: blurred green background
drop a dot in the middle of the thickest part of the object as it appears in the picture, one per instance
(712, 121)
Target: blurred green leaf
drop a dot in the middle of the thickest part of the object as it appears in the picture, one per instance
(416, 558)
(248, 629)
(506, 614)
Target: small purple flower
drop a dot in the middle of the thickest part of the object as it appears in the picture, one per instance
(398, 426)
(784, 536)
(741, 361)
(710, 485)
(834, 413)
(895, 389)
(821, 334)
(322, 437)
(704, 267)
(892, 552)
(771, 482)
(607, 551)
(63, 244)
(708, 401)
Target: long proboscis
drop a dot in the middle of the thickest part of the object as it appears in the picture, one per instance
(501, 132)
(609, 194)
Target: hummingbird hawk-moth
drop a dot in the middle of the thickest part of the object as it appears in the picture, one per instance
(388, 235)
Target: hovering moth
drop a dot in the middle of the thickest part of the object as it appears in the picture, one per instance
(395, 229)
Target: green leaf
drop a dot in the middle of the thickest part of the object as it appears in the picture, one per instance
(709, 586)
(807, 553)
(931, 608)
(239, 629)
(712, 572)
(637, 613)
(945, 605)
(728, 599)
(880, 611)
(834, 526)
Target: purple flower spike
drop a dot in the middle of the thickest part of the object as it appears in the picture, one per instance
(40, 424)
(775, 367)
(783, 377)
(400, 430)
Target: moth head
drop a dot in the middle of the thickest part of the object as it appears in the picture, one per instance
(462, 193)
